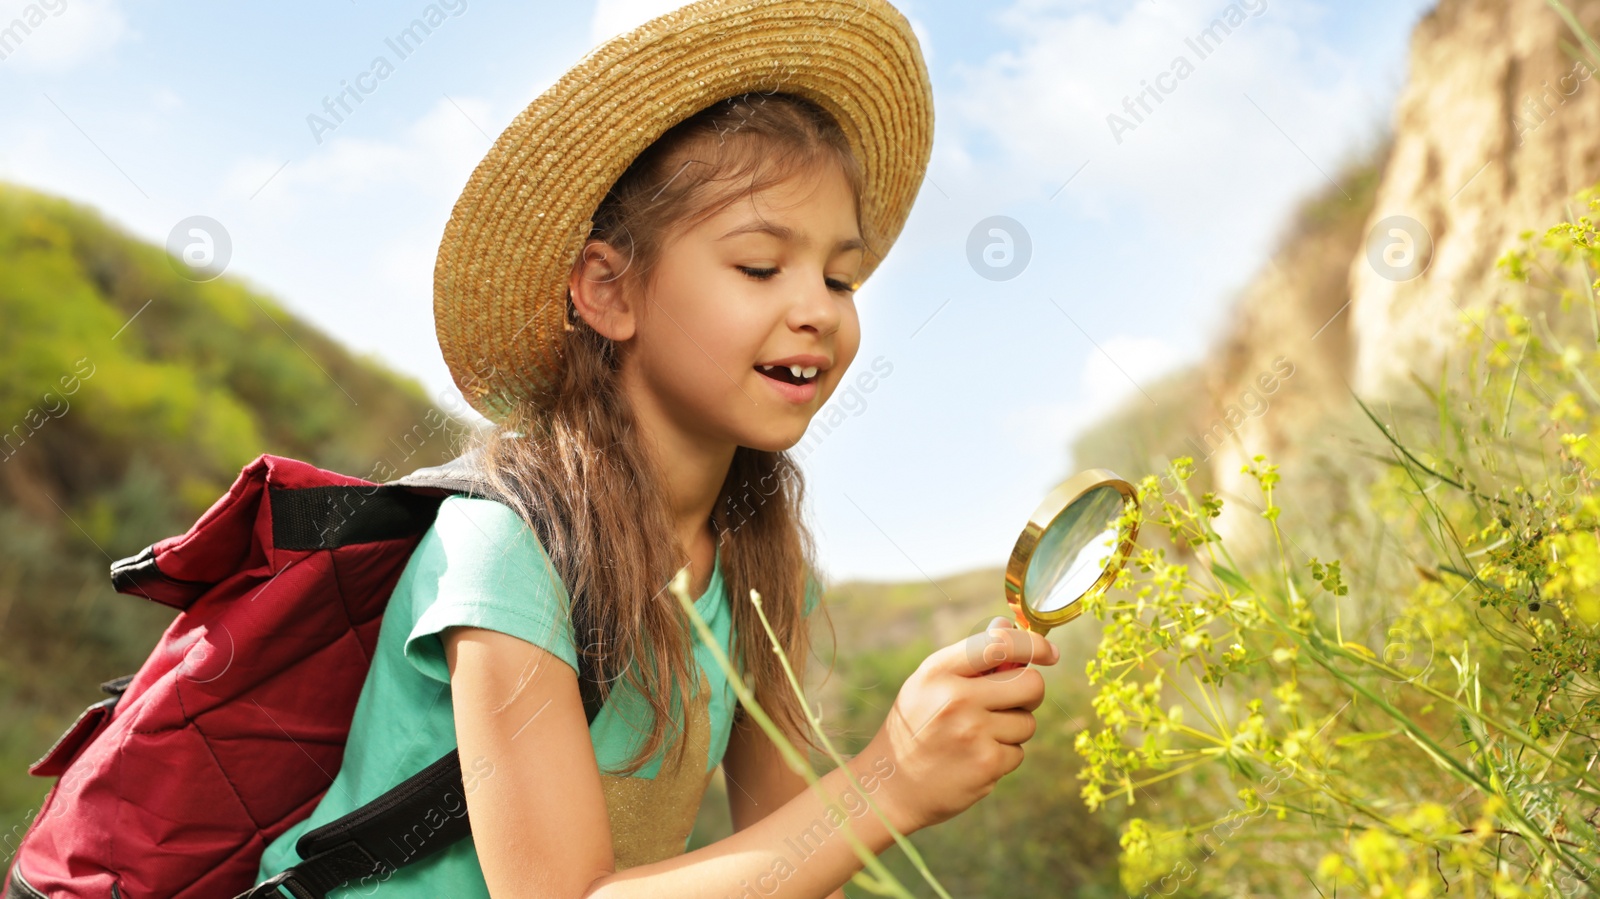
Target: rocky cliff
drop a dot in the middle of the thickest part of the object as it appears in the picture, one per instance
(1497, 126)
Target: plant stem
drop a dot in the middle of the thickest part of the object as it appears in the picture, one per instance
(816, 724)
(680, 589)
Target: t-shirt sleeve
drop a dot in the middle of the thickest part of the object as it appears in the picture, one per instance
(480, 565)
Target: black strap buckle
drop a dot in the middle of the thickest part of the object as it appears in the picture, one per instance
(268, 889)
(316, 876)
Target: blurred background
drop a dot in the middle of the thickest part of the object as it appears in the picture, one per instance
(1149, 229)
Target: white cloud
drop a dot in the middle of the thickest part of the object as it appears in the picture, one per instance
(1115, 373)
(434, 155)
(1204, 158)
(1111, 378)
(614, 17)
(350, 230)
(56, 35)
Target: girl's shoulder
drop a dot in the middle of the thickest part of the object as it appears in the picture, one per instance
(473, 533)
(480, 565)
(458, 508)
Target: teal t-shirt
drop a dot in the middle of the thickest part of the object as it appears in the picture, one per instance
(479, 565)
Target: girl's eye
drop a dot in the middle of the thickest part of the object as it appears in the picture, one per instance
(762, 274)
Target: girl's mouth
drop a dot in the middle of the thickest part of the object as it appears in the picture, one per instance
(796, 388)
(789, 374)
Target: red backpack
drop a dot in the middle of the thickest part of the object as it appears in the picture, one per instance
(232, 730)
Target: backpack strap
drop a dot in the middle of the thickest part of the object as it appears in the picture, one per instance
(459, 475)
(418, 817)
(421, 815)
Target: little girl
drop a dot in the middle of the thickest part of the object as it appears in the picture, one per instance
(710, 314)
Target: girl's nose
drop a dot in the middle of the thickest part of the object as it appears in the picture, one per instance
(816, 307)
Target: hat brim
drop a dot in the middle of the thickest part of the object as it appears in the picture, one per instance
(500, 280)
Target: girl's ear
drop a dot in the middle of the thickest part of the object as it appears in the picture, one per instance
(598, 291)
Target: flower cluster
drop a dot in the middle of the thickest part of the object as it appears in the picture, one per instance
(1419, 720)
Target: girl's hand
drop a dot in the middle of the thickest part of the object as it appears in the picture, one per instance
(958, 726)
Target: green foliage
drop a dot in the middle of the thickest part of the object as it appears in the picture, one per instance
(130, 397)
(1433, 733)
(205, 376)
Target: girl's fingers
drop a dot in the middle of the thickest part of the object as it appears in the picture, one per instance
(982, 652)
(1019, 646)
(1021, 688)
(1014, 726)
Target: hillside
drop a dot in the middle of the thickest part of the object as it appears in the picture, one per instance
(130, 397)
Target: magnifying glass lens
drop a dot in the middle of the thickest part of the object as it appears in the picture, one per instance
(1074, 550)
(1073, 543)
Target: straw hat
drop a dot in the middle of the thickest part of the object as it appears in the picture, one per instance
(500, 282)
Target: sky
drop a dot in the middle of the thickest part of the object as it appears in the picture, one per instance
(1141, 229)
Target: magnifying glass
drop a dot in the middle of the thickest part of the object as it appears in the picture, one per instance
(1072, 548)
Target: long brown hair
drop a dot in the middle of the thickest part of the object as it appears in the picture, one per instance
(576, 471)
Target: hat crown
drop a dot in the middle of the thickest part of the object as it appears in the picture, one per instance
(500, 306)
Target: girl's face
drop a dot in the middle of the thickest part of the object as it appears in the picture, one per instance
(741, 298)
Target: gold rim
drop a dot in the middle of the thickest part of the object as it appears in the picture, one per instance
(1048, 510)
(500, 305)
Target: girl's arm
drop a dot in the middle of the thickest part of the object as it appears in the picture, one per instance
(538, 812)
(758, 779)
